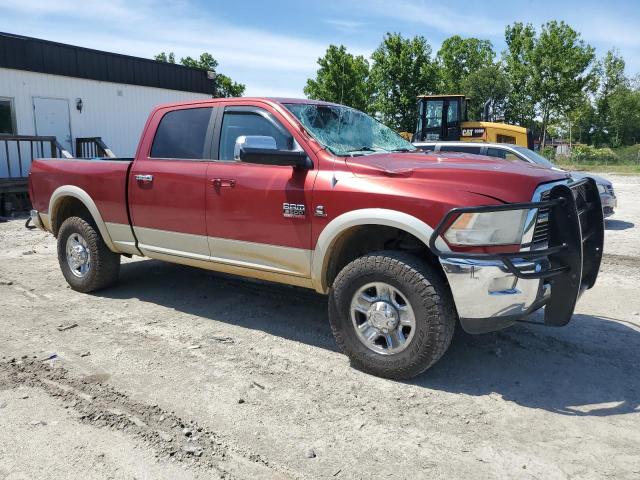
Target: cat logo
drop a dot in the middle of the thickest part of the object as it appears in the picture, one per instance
(293, 210)
(472, 132)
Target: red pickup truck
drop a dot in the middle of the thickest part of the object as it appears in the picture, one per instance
(405, 243)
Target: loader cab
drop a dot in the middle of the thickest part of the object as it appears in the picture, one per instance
(440, 117)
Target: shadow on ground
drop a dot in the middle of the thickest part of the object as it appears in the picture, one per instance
(617, 225)
(588, 368)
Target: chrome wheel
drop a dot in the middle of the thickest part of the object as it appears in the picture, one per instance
(78, 256)
(383, 318)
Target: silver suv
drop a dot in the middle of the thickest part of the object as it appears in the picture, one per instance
(515, 152)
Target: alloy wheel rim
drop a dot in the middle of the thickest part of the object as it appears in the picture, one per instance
(383, 318)
(78, 255)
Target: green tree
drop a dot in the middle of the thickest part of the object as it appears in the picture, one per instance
(224, 86)
(402, 69)
(518, 66)
(549, 74)
(460, 57)
(341, 78)
(611, 79)
(164, 57)
(562, 73)
(624, 116)
(486, 84)
(580, 121)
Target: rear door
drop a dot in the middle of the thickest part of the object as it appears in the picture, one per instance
(250, 219)
(167, 184)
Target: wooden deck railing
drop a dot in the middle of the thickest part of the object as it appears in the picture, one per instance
(17, 152)
(92, 147)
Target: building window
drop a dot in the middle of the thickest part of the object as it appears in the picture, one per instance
(7, 116)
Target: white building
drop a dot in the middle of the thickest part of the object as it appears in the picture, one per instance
(52, 89)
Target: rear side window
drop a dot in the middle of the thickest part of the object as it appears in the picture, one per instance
(236, 124)
(507, 155)
(461, 148)
(496, 152)
(182, 134)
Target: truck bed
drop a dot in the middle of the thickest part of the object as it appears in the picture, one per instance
(105, 179)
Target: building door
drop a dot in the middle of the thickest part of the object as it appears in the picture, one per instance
(52, 119)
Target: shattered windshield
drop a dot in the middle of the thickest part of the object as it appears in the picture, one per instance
(346, 131)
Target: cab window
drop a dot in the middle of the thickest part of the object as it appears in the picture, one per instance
(182, 134)
(506, 139)
(434, 113)
(452, 112)
(250, 122)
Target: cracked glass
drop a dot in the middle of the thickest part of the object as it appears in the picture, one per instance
(346, 131)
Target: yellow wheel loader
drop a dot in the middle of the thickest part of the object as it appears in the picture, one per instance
(444, 118)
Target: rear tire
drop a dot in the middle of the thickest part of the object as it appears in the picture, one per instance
(392, 314)
(85, 260)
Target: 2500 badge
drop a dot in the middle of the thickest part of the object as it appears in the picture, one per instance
(293, 210)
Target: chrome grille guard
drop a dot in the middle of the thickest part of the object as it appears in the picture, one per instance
(574, 253)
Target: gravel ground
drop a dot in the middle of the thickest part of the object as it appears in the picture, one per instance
(182, 373)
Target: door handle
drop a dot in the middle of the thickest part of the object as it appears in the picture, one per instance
(144, 178)
(223, 182)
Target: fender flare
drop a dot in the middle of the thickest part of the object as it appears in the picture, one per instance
(366, 216)
(78, 193)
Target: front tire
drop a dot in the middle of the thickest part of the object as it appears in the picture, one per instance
(391, 314)
(85, 260)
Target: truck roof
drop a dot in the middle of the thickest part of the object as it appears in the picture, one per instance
(273, 100)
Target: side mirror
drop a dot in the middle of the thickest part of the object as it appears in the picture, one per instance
(263, 150)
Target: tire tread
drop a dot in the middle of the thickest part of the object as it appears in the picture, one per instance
(105, 263)
(435, 297)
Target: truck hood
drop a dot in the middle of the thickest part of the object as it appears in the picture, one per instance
(504, 180)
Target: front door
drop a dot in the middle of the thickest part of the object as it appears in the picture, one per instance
(52, 119)
(258, 215)
(167, 186)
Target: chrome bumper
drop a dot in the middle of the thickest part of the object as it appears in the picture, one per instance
(493, 290)
(488, 297)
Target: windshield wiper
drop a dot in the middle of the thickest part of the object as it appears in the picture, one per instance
(404, 150)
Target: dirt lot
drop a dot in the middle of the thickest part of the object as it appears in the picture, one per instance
(182, 373)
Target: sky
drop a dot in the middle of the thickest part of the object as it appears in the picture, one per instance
(273, 46)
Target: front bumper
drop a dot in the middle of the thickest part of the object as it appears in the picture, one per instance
(488, 297)
(492, 291)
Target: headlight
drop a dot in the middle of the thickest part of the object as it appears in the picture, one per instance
(601, 189)
(490, 228)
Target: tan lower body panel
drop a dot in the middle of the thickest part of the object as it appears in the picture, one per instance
(233, 269)
(122, 238)
(257, 260)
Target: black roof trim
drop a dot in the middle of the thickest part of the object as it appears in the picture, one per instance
(43, 56)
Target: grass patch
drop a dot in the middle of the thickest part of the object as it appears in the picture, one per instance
(623, 160)
(628, 169)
